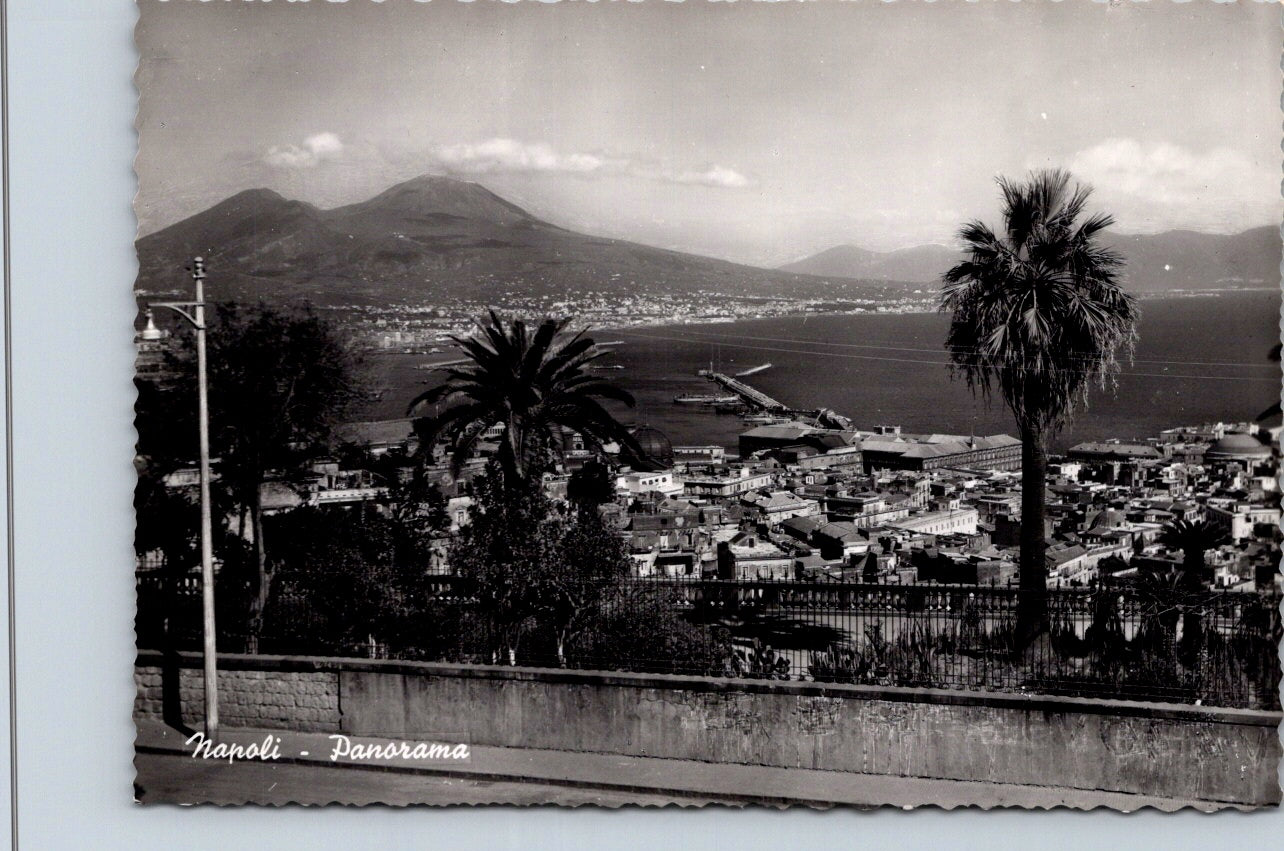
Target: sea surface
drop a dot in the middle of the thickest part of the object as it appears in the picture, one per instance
(1198, 359)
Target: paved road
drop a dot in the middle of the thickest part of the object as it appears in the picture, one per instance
(183, 780)
(168, 773)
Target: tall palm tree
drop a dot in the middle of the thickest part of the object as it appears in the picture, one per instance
(1038, 314)
(533, 382)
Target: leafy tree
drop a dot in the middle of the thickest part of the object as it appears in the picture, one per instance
(558, 584)
(575, 588)
(591, 485)
(418, 511)
(511, 540)
(341, 586)
(280, 381)
(1038, 314)
(641, 628)
(165, 520)
(534, 383)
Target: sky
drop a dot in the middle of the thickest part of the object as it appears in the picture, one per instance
(757, 132)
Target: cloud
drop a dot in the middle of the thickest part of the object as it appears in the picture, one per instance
(1162, 185)
(511, 155)
(314, 150)
(716, 176)
(514, 156)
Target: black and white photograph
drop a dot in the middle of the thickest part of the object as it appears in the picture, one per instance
(685, 403)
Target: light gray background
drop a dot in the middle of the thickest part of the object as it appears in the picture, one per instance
(72, 140)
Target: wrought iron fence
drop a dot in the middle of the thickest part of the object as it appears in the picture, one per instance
(1133, 642)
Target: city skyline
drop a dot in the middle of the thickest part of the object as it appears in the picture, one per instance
(698, 141)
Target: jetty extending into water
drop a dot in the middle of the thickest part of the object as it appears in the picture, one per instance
(758, 401)
(443, 364)
(753, 397)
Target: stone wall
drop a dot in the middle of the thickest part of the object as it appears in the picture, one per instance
(278, 700)
(1164, 750)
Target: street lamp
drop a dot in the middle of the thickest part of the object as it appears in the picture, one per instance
(197, 319)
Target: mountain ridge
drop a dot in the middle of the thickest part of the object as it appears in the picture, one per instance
(1179, 258)
(434, 239)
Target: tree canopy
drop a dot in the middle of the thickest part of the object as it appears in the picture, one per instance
(534, 383)
(1038, 312)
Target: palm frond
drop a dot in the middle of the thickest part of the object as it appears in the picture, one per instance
(1037, 312)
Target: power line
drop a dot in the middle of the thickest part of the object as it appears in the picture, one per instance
(932, 362)
(966, 348)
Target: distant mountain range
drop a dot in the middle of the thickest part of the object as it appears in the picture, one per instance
(437, 238)
(428, 238)
(920, 264)
(1178, 259)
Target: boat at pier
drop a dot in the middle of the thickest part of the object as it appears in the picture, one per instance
(765, 419)
(698, 399)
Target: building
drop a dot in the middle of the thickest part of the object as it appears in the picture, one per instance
(777, 506)
(711, 454)
(751, 556)
(1113, 452)
(945, 522)
(730, 482)
(1238, 520)
(639, 483)
(867, 509)
(1238, 446)
(811, 457)
(941, 451)
(840, 541)
(795, 434)
(802, 528)
(1075, 564)
(657, 451)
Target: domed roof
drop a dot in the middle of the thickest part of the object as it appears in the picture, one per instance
(655, 446)
(1238, 445)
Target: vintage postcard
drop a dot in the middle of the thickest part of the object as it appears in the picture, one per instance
(827, 404)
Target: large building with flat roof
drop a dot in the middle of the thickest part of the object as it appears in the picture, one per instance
(1113, 452)
(940, 451)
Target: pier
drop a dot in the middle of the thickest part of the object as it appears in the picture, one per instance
(445, 364)
(753, 397)
(823, 417)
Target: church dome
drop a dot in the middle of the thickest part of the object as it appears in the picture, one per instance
(655, 445)
(1237, 446)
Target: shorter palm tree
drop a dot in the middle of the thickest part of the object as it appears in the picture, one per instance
(535, 383)
(1193, 538)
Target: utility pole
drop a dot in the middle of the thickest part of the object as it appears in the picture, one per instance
(197, 319)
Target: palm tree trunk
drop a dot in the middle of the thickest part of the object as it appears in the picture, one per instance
(510, 459)
(1192, 625)
(1032, 603)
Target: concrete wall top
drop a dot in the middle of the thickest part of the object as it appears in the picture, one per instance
(1052, 704)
